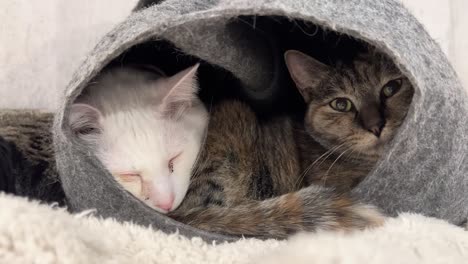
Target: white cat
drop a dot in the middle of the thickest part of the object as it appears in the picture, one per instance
(146, 129)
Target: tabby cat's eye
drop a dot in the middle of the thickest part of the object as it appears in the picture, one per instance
(342, 104)
(391, 88)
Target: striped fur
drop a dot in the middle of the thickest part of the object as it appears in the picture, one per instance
(249, 177)
(27, 162)
(267, 178)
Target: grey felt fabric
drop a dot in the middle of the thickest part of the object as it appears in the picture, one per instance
(425, 169)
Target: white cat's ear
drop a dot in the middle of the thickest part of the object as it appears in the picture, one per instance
(84, 121)
(182, 91)
(305, 71)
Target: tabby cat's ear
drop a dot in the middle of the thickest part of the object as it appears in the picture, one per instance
(84, 121)
(305, 71)
(182, 90)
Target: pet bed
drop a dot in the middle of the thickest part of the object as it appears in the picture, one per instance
(424, 169)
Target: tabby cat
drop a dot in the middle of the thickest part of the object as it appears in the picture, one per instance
(265, 178)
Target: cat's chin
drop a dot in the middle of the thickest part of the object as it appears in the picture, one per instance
(381, 143)
(370, 150)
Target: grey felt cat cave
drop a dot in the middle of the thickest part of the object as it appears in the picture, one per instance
(425, 170)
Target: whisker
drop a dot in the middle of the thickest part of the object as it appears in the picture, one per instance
(339, 156)
(323, 160)
(326, 153)
(306, 170)
(344, 152)
(349, 155)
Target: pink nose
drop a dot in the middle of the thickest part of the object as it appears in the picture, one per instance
(166, 204)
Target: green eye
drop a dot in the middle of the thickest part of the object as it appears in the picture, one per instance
(341, 104)
(391, 88)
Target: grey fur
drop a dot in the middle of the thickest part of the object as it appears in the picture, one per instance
(425, 168)
(27, 162)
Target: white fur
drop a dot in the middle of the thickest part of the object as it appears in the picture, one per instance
(143, 123)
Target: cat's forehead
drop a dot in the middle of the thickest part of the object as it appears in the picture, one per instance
(363, 76)
(140, 125)
(141, 145)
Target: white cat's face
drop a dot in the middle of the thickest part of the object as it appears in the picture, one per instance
(151, 149)
(152, 157)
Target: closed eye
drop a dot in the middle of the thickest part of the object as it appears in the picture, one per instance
(170, 164)
(129, 176)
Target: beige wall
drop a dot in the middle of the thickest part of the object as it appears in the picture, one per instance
(42, 42)
(458, 49)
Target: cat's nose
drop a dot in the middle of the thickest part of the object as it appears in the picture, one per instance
(165, 204)
(165, 207)
(376, 130)
(371, 119)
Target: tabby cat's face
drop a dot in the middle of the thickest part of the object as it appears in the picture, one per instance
(356, 108)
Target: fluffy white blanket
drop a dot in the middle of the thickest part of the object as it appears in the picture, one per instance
(34, 233)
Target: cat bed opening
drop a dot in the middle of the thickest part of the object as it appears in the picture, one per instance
(424, 168)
